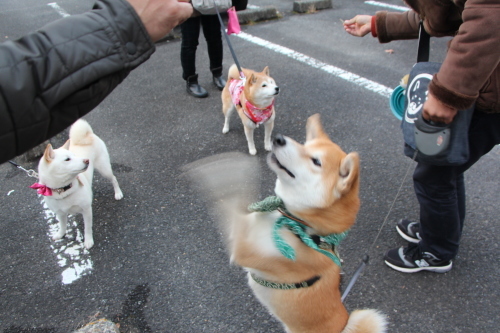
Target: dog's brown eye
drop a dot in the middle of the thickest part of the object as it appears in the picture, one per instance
(67, 159)
(264, 85)
(316, 161)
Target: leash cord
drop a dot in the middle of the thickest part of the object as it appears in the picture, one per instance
(223, 30)
(366, 258)
(30, 173)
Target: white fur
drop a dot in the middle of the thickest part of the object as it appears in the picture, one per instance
(60, 167)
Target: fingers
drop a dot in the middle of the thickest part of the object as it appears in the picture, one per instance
(438, 112)
(359, 26)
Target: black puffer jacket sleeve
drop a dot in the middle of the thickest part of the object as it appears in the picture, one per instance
(50, 78)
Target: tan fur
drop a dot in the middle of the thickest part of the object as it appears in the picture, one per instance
(327, 201)
(256, 94)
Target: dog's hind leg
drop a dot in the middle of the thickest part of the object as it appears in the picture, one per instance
(87, 221)
(63, 224)
(103, 165)
(228, 111)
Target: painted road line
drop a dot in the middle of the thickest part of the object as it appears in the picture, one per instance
(70, 252)
(58, 9)
(330, 69)
(386, 5)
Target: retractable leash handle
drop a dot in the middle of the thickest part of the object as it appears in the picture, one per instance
(431, 138)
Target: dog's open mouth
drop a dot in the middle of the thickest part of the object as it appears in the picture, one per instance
(275, 160)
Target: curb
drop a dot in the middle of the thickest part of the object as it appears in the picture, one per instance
(305, 6)
(99, 326)
(255, 14)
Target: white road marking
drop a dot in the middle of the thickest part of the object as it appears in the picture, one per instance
(386, 5)
(338, 72)
(58, 9)
(71, 254)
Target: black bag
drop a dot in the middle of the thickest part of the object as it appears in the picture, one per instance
(240, 4)
(457, 151)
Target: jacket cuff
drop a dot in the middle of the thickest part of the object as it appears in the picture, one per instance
(374, 26)
(380, 27)
(450, 98)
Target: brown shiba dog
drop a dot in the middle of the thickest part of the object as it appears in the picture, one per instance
(253, 98)
(287, 243)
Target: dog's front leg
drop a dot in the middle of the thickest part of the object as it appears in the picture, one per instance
(249, 136)
(63, 224)
(87, 221)
(268, 130)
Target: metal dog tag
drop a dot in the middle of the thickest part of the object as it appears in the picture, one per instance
(431, 138)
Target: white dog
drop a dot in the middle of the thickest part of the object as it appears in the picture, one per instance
(65, 177)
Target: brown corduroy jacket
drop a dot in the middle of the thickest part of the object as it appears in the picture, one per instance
(471, 70)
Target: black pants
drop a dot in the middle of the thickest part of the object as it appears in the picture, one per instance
(190, 30)
(441, 191)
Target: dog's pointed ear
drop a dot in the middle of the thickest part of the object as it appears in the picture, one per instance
(348, 174)
(66, 145)
(49, 154)
(266, 70)
(252, 79)
(314, 129)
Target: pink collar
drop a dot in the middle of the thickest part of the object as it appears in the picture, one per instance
(47, 191)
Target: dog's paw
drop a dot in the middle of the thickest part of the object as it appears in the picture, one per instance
(118, 195)
(268, 146)
(225, 129)
(88, 243)
(252, 151)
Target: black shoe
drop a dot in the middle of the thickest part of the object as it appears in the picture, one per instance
(219, 82)
(409, 230)
(194, 89)
(411, 260)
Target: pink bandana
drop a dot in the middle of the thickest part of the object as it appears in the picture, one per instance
(255, 114)
(42, 189)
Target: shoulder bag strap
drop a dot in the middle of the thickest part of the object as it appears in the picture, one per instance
(423, 44)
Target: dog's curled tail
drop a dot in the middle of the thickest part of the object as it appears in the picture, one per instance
(366, 321)
(81, 133)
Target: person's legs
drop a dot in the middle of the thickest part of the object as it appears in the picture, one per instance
(190, 30)
(441, 195)
(212, 32)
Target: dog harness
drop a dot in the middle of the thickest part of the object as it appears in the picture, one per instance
(297, 227)
(255, 114)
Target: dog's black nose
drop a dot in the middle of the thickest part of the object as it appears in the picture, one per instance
(277, 89)
(279, 140)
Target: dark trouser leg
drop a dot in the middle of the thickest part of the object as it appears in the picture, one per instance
(441, 191)
(190, 30)
(213, 36)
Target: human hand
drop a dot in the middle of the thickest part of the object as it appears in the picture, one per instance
(358, 26)
(161, 16)
(436, 111)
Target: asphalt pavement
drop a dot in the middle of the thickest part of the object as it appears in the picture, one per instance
(159, 264)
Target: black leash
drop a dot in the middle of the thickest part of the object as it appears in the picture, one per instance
(30, 173)
(366, 258)
(223, 30)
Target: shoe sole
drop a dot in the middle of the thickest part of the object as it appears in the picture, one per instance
(440, 269)
(408, 238)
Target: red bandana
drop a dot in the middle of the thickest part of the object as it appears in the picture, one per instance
(255, 114)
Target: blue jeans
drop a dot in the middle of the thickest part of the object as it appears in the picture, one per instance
(441, 192)
(190, 30)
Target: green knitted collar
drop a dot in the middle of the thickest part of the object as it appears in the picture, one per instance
(273, 203)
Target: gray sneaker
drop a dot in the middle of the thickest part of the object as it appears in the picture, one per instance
(409, 230)
(411, 260)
